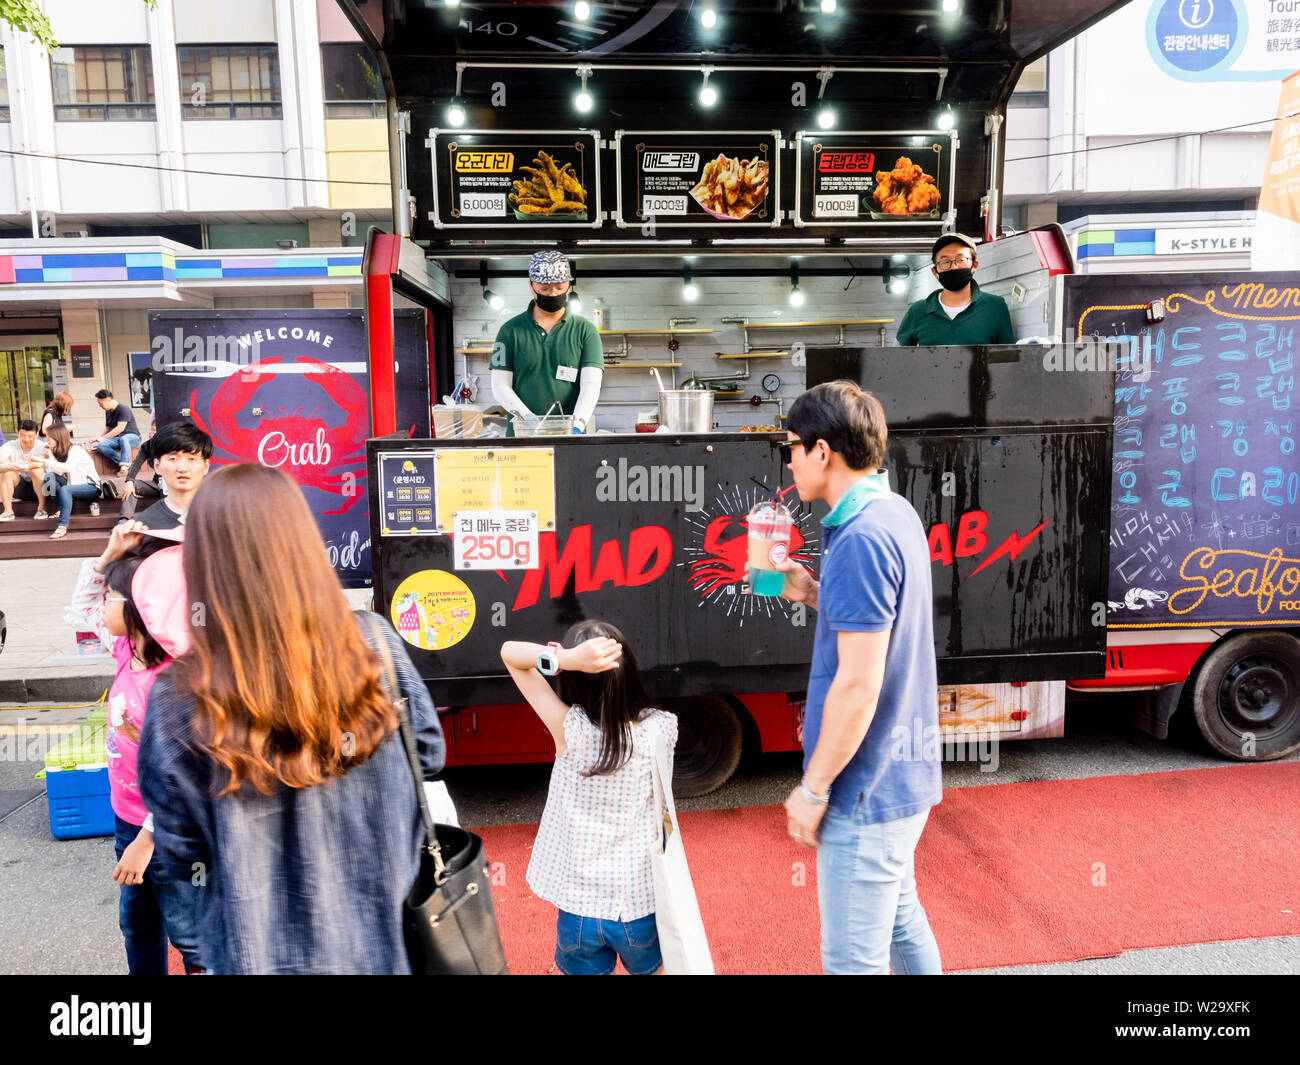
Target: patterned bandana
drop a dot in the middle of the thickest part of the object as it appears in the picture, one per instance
(549, 268)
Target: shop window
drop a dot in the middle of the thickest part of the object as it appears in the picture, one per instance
(95, 83)
(4, 90)
(224, 81)
(1031, 89)
(353, 88)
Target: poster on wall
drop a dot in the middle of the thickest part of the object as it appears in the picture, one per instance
(290, 389)
(717, 179)
(59, 374)
(83, 362)
(514, 179)
(141, 366)
(1205, 521)
(874, 179)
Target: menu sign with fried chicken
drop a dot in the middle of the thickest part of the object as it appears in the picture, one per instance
(865, 179)
(698, 180)
(512, 180)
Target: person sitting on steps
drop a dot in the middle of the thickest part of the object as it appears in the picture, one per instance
(18, 460)
(73, 473)
(120, 434)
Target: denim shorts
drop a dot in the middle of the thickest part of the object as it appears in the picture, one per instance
(589, 946)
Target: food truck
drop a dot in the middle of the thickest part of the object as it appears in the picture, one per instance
(769, 153)
(837, 149)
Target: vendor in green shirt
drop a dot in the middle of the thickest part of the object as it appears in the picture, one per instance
(547, 356)
(959, 313)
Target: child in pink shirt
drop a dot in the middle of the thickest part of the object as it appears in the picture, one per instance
(137, 605)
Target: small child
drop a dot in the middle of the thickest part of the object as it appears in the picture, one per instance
(592, 854)
(137, 605)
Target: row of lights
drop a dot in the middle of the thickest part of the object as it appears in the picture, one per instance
(691, 291)
(583, 102)
(709, 16)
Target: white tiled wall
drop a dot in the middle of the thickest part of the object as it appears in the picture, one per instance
(649, 304)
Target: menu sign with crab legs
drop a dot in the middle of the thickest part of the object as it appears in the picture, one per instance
(514, 179)
(698, 179)
(874, 179)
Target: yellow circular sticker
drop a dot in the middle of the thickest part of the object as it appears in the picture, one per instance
(433, 610)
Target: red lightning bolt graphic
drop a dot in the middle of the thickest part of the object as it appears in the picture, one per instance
(1011, 546)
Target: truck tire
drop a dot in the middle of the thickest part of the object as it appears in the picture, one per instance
(709, 744)
(1246, 698)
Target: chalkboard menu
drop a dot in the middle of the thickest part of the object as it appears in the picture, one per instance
(1205, 524)
(83, 363)
(874, 179)
(514, 179)
(716, 179)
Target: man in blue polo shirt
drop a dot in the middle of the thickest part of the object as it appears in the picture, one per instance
(871, 758)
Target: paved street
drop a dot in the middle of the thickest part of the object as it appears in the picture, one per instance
(58, 907)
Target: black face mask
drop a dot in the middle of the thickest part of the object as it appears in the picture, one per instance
(551, 303)
(956, 279)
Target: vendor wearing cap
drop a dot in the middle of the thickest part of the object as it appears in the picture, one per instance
(959, 313)
(547, 356)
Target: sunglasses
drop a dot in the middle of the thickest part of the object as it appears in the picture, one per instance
(786, 448)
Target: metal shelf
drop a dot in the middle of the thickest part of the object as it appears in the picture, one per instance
(473, 351)
(804, 325)
(641, 365)
(755, 355)
(651, 332)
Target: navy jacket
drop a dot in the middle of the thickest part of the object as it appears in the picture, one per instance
(306, 880)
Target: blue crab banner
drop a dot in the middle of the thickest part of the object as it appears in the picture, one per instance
(289, 389)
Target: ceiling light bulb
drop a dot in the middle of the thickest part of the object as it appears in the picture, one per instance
(456, 114)
(451, 3)
(950, 6)
(796, 297)
(689, 292)
(946, 120)
(898, 286)
(575, 302)
(708, 96)
(582, 10)
(828, 7)
(708, 18)
(583, 101)
(825, 118)
(496, 302)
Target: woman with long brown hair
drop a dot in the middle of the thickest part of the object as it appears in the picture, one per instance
(70, 474)
(57, 412)
(270, 757)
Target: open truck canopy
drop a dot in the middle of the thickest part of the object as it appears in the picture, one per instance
(517, 66)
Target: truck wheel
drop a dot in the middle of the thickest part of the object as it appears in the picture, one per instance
(709, 744)
(1246, 698)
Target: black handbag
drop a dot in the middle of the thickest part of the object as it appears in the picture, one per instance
(448, 919)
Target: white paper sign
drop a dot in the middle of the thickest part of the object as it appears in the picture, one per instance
(482, 204)
(494, 539)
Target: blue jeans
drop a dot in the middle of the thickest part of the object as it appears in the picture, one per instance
(119, 447)
(153, 912)
(66, 493)
(866, 887)
(590, 946)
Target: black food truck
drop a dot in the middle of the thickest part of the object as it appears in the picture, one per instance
(838, 148)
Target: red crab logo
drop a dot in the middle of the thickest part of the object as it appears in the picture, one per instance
(329, 457)
(722, 552)
(728, 559)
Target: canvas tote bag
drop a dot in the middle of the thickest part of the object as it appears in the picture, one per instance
(682, 941)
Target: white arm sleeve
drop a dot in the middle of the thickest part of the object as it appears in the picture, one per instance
(590, 378)
(503, 391)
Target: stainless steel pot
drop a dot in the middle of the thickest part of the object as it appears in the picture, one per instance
(686, 410)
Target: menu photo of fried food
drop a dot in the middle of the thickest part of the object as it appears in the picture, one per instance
(548, 192)
(731, 188)
(907, 191)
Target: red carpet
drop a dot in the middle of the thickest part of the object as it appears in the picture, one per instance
(1009, 874)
